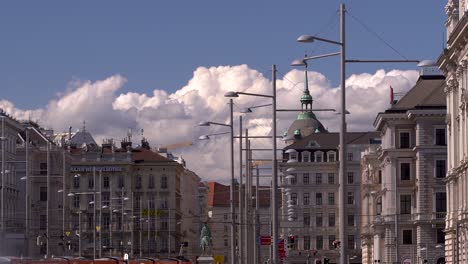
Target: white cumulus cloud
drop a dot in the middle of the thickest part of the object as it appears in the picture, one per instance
(172, 118)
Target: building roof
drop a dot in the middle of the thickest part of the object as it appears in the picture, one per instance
(428, 92)
(219, 195)
(144, 155)
(332, 140)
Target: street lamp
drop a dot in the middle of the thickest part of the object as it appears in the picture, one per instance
(274, 163)
(232, 209)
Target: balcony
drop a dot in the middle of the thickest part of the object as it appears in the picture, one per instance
(438, 216)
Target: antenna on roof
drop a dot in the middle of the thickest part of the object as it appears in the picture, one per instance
(84, 126)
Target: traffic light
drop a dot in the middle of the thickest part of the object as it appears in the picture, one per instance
(291, 241)
(326, 260)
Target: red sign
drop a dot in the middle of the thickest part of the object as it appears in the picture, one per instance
(281, 251)
(265, 240)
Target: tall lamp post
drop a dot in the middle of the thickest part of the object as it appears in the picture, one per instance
(274, 162)
(232, 209)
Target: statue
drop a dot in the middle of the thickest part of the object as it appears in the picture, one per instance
(205, 239)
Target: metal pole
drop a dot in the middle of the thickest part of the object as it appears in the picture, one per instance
(169, 234)
(63, 197)
(122, 224)
(26, 236)
(248, 174)
(274, 197)
(342, 152)
(233, 219)
(48, 201)
(257, 220)
(110, 221)
(149, 228)
(139, 228)
(3, 179)
(94, 212)
(100, 214)
(244, 214)
(79, 232)
(240, 242)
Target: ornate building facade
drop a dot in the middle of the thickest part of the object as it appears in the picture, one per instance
(453, 63)
(405, 207)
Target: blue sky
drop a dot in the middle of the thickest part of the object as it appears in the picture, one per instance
(158, 44)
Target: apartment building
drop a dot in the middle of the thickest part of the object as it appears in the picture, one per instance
(453, 62)
(406, 215)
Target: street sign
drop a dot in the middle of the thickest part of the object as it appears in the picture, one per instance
(67, 233)
(98, 228)
(265, 240)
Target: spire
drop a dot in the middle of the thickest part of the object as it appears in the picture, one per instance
(84, 126)
(306, 99)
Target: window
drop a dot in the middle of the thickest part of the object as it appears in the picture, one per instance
(319, 220)
(441, 168)
(76, 201)
(378, 206)
(405, 204)
(349, 156)
(105, 181)
(105, 198)
(331, 219)
(138, 182)
(441, 202)
(305, 156)
(90, 222)
(350, 177)
(90, 201)
(90, 182)
(76, 182)
(407, 237)
(351, 242)
(293, 156)
(318, 178)
(293, 180)
(42, 222)
(331, 178)
(43, 168)
(331, 238)
(404, 139)
(306, 242)
(331, 198)
(319, 156)
(440, 236)
(350, 198)
(440, 139)
(105, 221)
(151, 182)
(43, 194)
(164, 182)
(226, 243)
(225, 216)
(294, 198)
(319, 242)
(121, 183)
(305, 178)
(306, 218)
(351, 220)
(405, 174)
(331, 156)
(318, 198)
(305, 199)
(379, 179)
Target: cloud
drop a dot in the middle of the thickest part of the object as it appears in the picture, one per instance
(172, 118)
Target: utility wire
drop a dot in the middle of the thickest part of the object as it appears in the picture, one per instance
(376, 35)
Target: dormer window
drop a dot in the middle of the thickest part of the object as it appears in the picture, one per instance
(331, 156)
(318, 156)
(293, 156)
(305, 156)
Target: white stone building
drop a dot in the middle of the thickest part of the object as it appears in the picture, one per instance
(406, 215)
(453, 62)
(309, 186)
